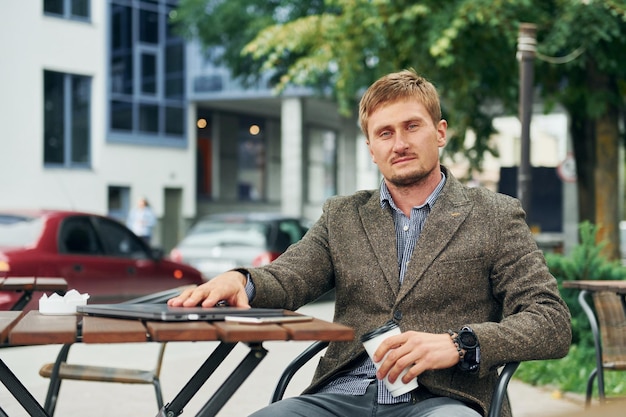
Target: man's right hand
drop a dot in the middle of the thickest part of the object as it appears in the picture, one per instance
(229, 287)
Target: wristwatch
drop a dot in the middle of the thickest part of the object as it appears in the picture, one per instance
(468, 343)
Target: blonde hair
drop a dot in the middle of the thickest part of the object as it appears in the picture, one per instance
(396, 86)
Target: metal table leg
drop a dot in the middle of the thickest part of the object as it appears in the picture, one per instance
(20, 393)
(226, 390)
(234, 381)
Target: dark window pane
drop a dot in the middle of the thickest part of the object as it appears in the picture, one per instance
(174, 121)
(175, 87)
(122, 74)
(80, 8)
(121, 28)
(54, 115)
(148, 73)
(121, 115)
(148, 26)
(119, 241)
(174, 58)
(53, 6)
(174, 71)
(149, 118)
(81, 99)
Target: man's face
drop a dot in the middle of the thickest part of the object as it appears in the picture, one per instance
(404, 142)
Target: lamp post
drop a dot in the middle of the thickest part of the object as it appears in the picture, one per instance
(526, 46)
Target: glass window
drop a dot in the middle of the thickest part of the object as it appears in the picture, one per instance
(54, 116)
(149, 118)
(118, 202)
(148, 26)
(53, 6)
(67, 8)
(67, 119)
(174, 120)
(147, 73)
(122, 115)
(81, 98)
(118, 241)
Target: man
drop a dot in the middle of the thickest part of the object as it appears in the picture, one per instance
(141, 220)
(424, 251)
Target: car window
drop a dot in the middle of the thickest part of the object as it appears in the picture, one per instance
(18, 231)
(119, 241)
(77, 236)
(293, 228)
(214, 234)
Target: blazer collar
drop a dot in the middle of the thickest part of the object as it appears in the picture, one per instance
(447, 214)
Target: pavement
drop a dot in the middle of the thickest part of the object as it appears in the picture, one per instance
(96, 399)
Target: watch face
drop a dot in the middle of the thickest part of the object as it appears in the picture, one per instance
(468, 339)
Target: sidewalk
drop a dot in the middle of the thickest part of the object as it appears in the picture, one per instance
(95, 399)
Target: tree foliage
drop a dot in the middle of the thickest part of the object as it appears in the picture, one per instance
(467, 48)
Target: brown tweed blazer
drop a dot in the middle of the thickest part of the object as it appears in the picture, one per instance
(476, 263)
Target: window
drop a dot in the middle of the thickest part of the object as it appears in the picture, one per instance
(118, 202)
(67, 119)
(251, 159)
(68, 9)
(147, 73)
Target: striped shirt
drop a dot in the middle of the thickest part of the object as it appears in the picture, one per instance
(408, 230)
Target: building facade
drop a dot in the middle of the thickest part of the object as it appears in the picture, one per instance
(103, 104)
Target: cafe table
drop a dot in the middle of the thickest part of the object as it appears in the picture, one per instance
(587, 286)
(32, 328)
(28, 285)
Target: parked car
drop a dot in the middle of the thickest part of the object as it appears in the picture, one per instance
(220, 242)
(95, 254)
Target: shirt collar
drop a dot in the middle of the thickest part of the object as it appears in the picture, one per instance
(386, 199)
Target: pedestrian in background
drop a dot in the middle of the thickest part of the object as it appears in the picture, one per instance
(141, 220)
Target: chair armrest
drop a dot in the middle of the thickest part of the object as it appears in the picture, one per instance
(499, 392)
(294, 366)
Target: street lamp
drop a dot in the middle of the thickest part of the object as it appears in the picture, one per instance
(526, 48)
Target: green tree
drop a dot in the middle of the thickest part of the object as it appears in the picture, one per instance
(466, 47)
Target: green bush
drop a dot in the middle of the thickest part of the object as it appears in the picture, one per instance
(570, 373)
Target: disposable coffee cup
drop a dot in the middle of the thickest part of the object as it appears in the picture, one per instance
(371, 340)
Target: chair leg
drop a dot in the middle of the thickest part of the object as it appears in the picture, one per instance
(55, 381)
(590, 380)
(159, 394)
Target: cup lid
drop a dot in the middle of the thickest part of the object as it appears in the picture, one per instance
(390, 325)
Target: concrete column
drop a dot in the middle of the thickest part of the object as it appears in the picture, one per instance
(368, 176)
(347, 156)
(292, 142)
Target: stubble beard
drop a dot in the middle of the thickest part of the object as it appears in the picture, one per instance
(410, 179)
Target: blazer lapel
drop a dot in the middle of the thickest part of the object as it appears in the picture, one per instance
(380, 231)
(447, 215)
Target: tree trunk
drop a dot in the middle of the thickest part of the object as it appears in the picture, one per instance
(606, 169)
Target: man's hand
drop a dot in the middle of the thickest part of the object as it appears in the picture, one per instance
(419, 351)
(229, 287)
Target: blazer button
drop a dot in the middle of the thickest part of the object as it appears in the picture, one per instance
(397, 315)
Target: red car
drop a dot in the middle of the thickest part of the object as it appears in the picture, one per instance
(95, 254)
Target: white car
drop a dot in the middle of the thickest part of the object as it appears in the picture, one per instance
(218, 243)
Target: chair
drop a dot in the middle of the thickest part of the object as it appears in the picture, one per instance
(609, 336)
(61, 369)
(496, 405)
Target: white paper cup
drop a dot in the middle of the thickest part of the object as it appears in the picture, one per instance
(371, 340)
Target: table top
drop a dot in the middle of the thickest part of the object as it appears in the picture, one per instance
(32, 328)
(32, 284)
(617, 286)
